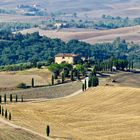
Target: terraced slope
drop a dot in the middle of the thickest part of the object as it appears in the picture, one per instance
(103, 113)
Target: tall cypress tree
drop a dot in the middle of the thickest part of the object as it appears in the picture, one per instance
(16, 98)
(0, 109)
(0, 99)
(11, 98)
(6, 113)
(48, 130)
(83, 87)
(10, 116)
(33, 84)
(85, 84)
(71, 76)
(5, 99)
(21, 98)
(63, 78)
(52, 80)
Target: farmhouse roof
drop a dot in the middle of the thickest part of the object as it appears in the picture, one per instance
(67, 55)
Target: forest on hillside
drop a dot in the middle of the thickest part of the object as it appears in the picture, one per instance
(18, 48)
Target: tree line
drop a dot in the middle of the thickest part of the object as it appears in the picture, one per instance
(33, 49)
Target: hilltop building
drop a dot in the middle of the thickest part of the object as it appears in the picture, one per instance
(67, 58)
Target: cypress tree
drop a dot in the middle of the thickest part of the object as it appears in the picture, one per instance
(52, 80)
(6, 113)
(21, 98)
(63, 77)
(11, 98)
(0, 99)
(85, 84)
(95, 81)
(48, 130)
(72, 78)
(5, 98)
(32, 83)
(10, 116)
(16, 98)
(83, 87)
(0, 109)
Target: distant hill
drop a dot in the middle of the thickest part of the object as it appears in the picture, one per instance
(91, 8)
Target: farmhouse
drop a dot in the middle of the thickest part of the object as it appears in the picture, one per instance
(67, 58)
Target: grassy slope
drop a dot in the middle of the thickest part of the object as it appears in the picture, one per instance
(12, 79)
(100, 113)
(9, 133)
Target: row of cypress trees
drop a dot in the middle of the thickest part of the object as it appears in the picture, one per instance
(5, 113)
(92, 82)
(11, 98)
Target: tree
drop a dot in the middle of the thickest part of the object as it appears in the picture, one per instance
(6, 113)
(5, 99)
(0, 109)
(71, 76)
(85, 84)
(32, 83)
(83, 87)
(95, 81)
(16, 98)
(21, 98)
(11, 97)
(10, 116)
(48, 130)
(63, 77)
(52, 80)
(0, 99)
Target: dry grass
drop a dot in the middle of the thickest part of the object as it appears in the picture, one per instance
(12, 79)
(92, 36)
(103, 113)
(9, 133)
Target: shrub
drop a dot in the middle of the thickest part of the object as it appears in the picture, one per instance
(22, 85)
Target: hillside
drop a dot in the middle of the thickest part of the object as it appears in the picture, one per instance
(91, 36)
(99, 113)
(93, 8)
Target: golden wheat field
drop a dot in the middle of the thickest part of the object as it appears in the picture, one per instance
(102, 113)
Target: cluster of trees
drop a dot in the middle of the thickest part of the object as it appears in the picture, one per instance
(67, 71)
(15, 26)
(33, 48)
(5, 113)
(93, 80)
(106, 22)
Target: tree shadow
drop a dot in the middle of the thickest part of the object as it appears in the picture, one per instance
(58, 137)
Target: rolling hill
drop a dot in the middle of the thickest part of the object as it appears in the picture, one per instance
(99, 113)
(91, 36)
(93, 8)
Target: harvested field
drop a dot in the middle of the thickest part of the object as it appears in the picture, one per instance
(47, 92)
(91, 36)
(107, 113)
(12, 79)
(10, 133)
